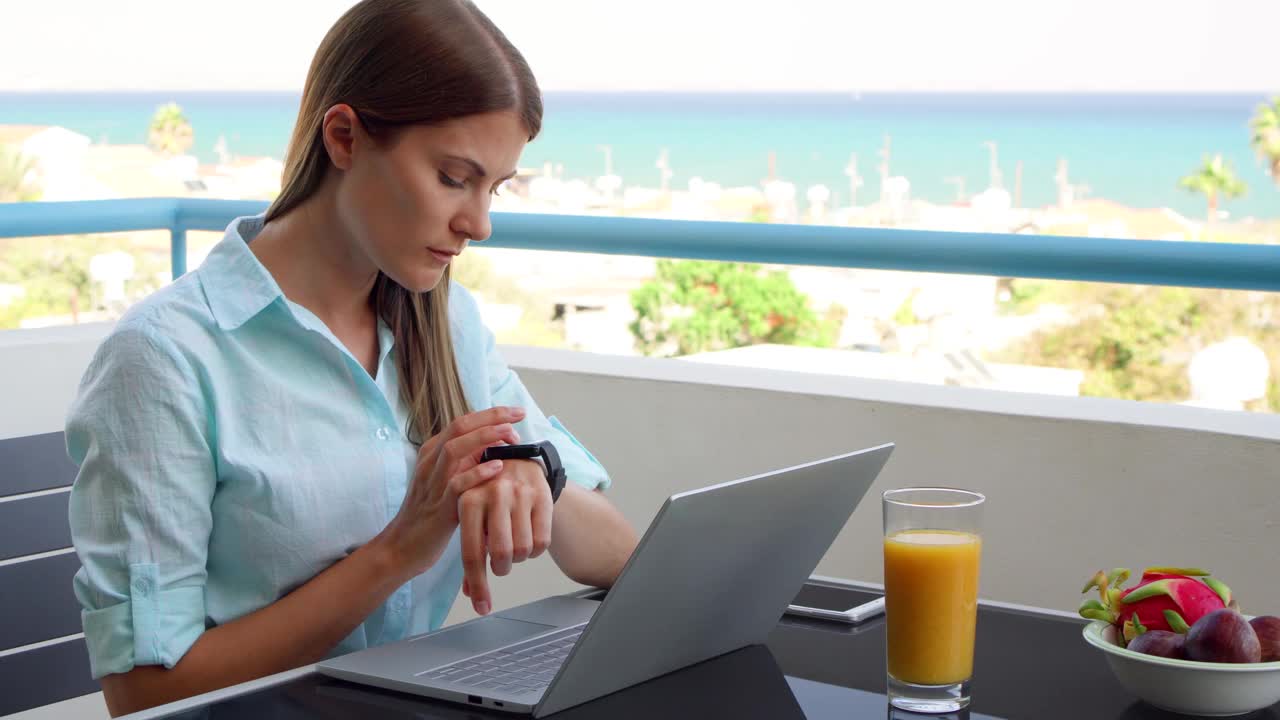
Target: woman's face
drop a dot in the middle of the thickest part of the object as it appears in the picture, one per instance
(412, 205)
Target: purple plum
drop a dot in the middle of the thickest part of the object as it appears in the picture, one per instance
(1160, 643)
(1223, 636)
(1267, 628)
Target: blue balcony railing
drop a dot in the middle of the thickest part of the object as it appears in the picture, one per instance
(1189, 264)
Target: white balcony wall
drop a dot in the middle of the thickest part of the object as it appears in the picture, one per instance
(1073, 484)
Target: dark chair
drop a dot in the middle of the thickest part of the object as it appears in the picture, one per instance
(43, 658)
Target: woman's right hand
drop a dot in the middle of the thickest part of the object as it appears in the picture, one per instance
(448, 465)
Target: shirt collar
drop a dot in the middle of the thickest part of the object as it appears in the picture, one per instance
(237, 286)
(386, 341)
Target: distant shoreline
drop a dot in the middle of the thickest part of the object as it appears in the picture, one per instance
(1132, 148)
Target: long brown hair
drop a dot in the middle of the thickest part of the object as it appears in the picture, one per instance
(399, 63)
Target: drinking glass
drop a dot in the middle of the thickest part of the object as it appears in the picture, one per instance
(932, 548)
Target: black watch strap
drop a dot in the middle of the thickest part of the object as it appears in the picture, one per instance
(544, 451)
(554, 468)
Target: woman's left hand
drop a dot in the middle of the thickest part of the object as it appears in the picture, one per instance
(511, 523)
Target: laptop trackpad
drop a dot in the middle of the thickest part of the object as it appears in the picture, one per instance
(483, 635)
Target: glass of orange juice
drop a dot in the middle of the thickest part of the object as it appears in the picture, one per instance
(932, 547)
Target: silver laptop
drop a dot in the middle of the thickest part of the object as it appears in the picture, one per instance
(713, 573)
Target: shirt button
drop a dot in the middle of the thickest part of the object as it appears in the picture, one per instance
(142, 587)
(383, 433)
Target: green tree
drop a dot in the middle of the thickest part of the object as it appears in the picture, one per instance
(1266, 136)
(1135, 342)
(906, 312)
(16, 170)
(1214, 179)
(696, 305)
(54, 274)
(170, 132)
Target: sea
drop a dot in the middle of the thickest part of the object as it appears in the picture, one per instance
(1128, 148)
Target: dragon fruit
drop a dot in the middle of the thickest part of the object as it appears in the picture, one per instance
(1164, 599)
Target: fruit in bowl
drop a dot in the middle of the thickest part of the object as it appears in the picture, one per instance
(1177, 640)
(1171, 599)
(1183, 614)
(1267, 628)
(1223, 636)
(1161, 643)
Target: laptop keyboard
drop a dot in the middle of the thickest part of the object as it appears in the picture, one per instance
(521, 668)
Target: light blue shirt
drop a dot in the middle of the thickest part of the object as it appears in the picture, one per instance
(230, 449)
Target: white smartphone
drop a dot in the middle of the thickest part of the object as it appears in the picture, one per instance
(827, 603)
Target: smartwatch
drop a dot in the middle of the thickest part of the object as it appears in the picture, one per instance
(544, 451)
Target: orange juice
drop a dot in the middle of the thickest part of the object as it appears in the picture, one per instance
(931, 602)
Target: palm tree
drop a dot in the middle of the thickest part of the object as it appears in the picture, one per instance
(1215, 178)
(16, 171)
(170, 131)
(1266, 136)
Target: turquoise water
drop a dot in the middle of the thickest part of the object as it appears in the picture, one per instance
(1127, 148)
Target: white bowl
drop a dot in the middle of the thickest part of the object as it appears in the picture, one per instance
(1187, 686)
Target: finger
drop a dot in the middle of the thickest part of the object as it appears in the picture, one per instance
(472, 513)
(466, 588)
(499, 529)
(432, 445)
(469, 423)
(493, 416)
(540, 521)
(469, 479)
(522, 526)
(463, 452)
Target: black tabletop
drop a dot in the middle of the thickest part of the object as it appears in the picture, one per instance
(1028, 665)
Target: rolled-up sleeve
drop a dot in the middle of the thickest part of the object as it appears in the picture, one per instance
(141, 506)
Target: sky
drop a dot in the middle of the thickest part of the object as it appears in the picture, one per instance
(674, 45)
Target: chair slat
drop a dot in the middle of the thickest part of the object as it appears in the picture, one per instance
(34, 462)
(34, 525)
(37, 602)
(46, 675)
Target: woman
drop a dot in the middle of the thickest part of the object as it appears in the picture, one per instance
(280, 452)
